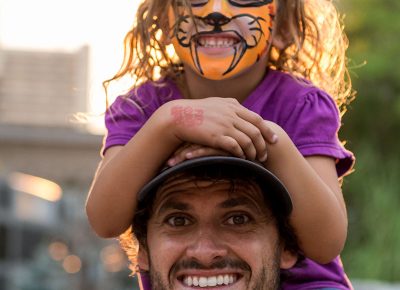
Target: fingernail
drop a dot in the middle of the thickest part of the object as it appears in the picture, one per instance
(189, 155)
(171, 162)
(274, 138)
(264, 158)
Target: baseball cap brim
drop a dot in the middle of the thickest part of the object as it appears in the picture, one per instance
(270, 185)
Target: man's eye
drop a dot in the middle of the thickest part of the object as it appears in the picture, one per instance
(178, 221)
(239, 219)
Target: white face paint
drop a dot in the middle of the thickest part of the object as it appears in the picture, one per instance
(224, 38)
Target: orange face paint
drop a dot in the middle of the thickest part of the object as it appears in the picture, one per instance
(224, 37)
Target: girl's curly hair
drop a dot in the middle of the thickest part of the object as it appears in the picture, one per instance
(313, 46)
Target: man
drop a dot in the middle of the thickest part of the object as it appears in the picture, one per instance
(214, 222)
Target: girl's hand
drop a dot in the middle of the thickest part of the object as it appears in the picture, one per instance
(191, 151)
(223, 124)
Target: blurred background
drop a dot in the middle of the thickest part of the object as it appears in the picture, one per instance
(372, 128)
(54, 56)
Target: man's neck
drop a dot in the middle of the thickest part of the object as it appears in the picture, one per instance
(238, 87)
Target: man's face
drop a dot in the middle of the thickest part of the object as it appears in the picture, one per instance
(204, 235)
(224, 37)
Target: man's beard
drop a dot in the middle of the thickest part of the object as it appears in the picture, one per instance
(267, 279)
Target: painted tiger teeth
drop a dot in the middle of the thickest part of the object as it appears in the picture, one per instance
(210, 281)
(216, 42)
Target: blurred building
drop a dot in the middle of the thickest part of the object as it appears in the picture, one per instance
(42, 88)
(46, 166)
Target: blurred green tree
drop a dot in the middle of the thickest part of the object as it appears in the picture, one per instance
(372, 128)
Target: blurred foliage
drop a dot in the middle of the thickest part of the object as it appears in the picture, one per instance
(44, 273)
(372, 130)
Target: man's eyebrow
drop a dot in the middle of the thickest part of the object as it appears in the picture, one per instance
(174, 205)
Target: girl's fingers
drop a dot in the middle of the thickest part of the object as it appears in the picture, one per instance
(231, 145)
(183, 155)
(228, 126)
(200, 152)
(194, 151)
(257, 139)
(178, 155)
(268, 133)
(255, 119)
(205, 151)
(246, 144)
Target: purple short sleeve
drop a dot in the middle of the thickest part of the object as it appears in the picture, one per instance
(123, 120)
(128, 113)
(313, 126)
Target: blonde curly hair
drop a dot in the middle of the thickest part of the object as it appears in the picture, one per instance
(313, 46)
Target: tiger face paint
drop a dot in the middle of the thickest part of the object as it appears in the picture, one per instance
(224, 37)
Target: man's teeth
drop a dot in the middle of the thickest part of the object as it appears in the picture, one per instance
(211, 281)
(216, 42)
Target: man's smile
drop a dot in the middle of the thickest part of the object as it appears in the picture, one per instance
(215, 277)
(209, 281)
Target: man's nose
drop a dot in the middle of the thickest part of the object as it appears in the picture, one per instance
(206, 247)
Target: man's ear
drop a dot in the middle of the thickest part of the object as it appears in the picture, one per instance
(143, 259)
(288, 259)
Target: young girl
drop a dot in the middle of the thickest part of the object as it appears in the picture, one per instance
(242, 79)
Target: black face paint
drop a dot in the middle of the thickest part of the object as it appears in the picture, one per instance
(198, 35)
(216, 21)
(179, 33)
(237, 3)
(241, 49)
(249, 3)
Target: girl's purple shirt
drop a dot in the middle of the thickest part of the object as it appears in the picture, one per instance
(308, 115)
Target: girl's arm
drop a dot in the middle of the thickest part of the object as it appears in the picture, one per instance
(319, 214)
(122, 172)
(224, 124)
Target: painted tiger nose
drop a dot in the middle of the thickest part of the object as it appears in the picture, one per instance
(216, 19)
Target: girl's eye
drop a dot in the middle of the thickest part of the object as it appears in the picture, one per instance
(240, 3)
(250, 3)
(239, 219)
(198, 3)
(178, 221)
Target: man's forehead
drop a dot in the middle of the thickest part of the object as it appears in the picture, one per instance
(181, 187)
(187, 181)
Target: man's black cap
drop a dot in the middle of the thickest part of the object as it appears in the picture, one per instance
(271, 186)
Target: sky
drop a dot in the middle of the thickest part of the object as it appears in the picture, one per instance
(67, 25)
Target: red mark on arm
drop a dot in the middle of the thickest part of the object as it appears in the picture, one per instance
(187, 116)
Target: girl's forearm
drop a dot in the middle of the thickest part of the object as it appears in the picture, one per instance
(319, 215)
(112, 198)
